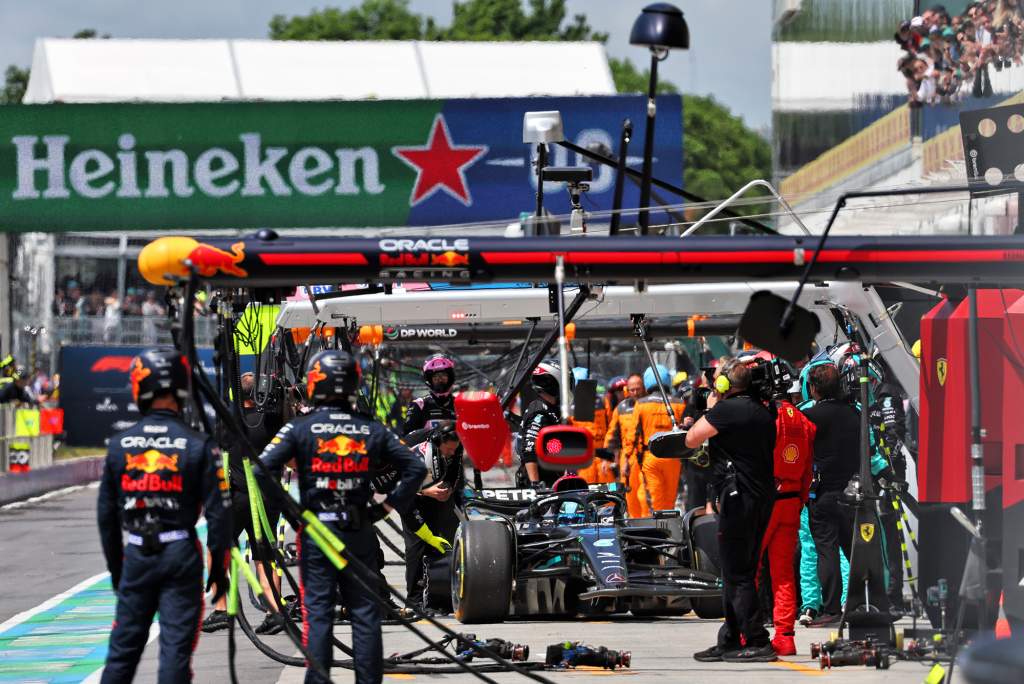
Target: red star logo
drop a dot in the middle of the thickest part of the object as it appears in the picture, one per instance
(440, 165)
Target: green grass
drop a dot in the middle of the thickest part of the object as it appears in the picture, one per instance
(65, 452)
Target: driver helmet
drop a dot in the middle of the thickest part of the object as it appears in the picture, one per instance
(547, 377)
(570, 513)
(434, 366)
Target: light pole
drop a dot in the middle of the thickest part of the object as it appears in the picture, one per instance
(660, 27)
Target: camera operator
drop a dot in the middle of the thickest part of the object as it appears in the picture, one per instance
(741, 433)
(836, 460)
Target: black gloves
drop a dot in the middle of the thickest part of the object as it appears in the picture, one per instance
(377, 512)
(218, 580)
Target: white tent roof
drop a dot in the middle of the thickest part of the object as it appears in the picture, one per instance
(114, 70)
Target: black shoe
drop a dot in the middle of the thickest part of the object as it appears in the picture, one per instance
(752, 654)
(807, 616)
(215, 621)
(419, 610)
(709, 655)
(272, 624)
(825, 620)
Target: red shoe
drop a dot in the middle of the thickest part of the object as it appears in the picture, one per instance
(784, 645)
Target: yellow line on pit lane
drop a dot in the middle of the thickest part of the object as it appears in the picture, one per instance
(596, 671)
(798, 667)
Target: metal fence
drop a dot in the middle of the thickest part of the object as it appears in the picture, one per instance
(126, 330)
(31, 451)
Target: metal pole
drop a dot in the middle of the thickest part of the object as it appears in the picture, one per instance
(633, 174)
(638, 323)
(977, 450)
(545, 345)
(542, 161)
(563, 341)
(645, 181)
(866, 484)
(620, 177)
(526, 347)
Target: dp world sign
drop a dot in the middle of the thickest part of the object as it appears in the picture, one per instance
(301, 164)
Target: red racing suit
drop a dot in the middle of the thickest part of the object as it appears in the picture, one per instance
(794, 453)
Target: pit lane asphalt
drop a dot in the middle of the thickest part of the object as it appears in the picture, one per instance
(49, 546)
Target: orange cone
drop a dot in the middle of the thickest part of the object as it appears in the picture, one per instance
(1002, 624)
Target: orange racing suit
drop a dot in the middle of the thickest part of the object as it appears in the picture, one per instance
(661, 475)
(621, 437)
(598, 472)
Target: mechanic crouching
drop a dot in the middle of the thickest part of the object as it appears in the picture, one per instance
(157, 477)
(336, 451)
(432, 520)
(740, 430)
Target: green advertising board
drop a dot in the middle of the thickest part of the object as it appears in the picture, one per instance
(206, 165)
(294, 164)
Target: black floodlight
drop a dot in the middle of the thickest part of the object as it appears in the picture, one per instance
(661, 28)
(661, 25)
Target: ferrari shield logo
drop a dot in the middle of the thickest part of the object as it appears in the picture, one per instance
(942, 370)
(867, 532)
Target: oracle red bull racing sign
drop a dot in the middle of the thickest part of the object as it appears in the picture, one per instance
(302, 164)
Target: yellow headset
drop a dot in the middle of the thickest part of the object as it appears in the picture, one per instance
(722, 382)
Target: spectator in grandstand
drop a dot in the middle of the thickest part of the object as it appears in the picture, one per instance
(131, 306)
(62, 304)
(151, 310)
(111, 318)
(958, 50)
(907, 38)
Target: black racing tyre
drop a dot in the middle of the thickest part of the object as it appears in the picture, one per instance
(482, 569)
(704, 533)
(707, 607)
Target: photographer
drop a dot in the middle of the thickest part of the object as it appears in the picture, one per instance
(741, 433)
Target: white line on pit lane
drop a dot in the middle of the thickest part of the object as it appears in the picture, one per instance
(49, 495)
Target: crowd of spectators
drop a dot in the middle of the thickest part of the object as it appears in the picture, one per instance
(106, 311)
(948, 58)
(72, 302)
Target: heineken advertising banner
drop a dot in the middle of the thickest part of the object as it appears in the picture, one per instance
(302, 164)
